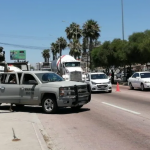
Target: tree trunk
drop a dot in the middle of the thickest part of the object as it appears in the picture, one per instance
(45, 59)
(60, 62)
(90, 50)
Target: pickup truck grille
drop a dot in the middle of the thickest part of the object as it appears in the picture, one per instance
(81, 89)
(75, 76)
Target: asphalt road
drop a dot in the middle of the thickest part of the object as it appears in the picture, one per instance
(111, 121)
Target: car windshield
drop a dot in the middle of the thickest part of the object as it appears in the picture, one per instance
(98, 76)
(49, 77)
(72, 64)
(145, 75)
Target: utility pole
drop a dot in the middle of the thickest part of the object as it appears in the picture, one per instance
(122, 20)
(122, 10)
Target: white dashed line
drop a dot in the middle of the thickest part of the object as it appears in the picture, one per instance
(122, 108)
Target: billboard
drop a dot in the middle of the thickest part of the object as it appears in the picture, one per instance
(17, 55)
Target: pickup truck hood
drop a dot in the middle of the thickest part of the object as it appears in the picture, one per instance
(63, 83)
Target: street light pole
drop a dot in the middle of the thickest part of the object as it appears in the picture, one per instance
(123, 28)
(122, 20)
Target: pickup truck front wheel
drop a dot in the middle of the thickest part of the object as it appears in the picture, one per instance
(49, 105)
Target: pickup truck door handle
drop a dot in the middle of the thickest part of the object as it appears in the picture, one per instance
(2, 88)
(22, 88)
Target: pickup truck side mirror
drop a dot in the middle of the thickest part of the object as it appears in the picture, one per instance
(33, 82)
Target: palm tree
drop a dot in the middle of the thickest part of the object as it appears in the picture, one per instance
(75, 49)
(1, 49)
(46, 55)
(74, 33)
(62, 44)
(55, 50)
(91, 31)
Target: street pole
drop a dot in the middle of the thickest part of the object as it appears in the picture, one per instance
(122, 10)
(122, 20)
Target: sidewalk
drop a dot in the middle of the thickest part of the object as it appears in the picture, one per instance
(26, 127)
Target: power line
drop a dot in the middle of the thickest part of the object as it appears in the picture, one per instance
(25, 37)
(24, 46)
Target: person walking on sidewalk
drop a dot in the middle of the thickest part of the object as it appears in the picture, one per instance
(112, 77)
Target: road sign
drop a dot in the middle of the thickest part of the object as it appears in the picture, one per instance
(17, 55)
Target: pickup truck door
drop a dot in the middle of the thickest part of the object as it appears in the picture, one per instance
(9, 91)
(29, 93)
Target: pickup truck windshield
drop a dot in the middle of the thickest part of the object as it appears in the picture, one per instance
(49, 77)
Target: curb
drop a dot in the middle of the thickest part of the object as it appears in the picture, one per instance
(42, 136)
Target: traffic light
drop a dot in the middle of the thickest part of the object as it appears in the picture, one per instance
(2, 55)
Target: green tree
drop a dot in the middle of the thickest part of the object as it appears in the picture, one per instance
(74, 33)
(46, 55)
(91, 30)
(1, 48)
(75, 49)
(62, 44)
(117, 48)
(102, 55)
(54, 49)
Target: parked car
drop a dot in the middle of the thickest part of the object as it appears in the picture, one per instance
(139, 80)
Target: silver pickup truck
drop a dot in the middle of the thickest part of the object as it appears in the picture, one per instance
(43, 88)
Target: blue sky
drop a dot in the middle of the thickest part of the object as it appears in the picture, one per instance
(33, 22)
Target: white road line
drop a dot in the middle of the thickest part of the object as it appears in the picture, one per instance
(122, 108)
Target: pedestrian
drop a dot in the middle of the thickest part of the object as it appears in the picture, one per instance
(112, 77)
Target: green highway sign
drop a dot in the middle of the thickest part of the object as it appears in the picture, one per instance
(17, 55)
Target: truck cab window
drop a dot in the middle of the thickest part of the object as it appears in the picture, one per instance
(27, 77)
(12, 79)
(3, 78)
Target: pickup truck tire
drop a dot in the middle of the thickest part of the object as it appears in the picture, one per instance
(49, 105)
(76, 108)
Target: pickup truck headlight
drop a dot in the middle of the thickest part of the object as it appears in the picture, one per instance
(65, 91)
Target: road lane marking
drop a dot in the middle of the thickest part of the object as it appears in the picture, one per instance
(134, 112)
